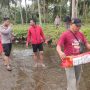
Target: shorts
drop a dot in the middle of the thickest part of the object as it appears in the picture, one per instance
(37, 47)
(7, 48)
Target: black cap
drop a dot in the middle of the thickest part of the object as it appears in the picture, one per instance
(77, 22)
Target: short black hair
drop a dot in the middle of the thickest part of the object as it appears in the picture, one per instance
(6, 18)
(34, 20)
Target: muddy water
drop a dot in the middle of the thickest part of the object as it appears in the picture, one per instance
(25, 77)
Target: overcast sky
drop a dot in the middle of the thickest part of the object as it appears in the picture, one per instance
(28, 2)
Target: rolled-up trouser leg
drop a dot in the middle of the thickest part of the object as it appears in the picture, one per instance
(71, 79)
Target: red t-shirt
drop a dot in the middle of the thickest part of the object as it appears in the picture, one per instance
(70, 43)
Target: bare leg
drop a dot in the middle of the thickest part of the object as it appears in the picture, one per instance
(35, 58)
(41, 59)
(6, 59)
(7, 62)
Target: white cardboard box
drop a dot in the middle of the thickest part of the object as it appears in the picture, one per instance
(81, 59)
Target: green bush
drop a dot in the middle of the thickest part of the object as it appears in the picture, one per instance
(49, 30)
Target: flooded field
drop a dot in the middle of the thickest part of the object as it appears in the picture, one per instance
(25, 77)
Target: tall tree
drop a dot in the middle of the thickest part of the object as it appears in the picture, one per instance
(26, 10)
(20, 1)
(39, 11)
(74, 8)
(15, 11)
(5, 5)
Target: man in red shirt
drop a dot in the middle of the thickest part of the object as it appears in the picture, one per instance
(36, 37)
(70, 41)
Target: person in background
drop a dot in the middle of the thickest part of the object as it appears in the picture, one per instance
(70, 41)
(67, 21)
(6, 39)
(57, 21)
(36, 37)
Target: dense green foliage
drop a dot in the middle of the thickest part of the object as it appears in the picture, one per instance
(49, 30)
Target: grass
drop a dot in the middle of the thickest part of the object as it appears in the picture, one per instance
(86, 30)
(49, 30)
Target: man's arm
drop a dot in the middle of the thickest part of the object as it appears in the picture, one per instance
(28, 38)
(60, 52)
(5, 30)
(61, 45)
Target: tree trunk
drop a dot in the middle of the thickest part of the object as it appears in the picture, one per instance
(26, 11)
(9, 12)
(33, 4)
(70, 8)
(44, 12)
(74, 8)
(21, 12)
(86, 12)
(77, 8)
(39, 11)
(84, 8)
(15, 15)
(15, 3)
